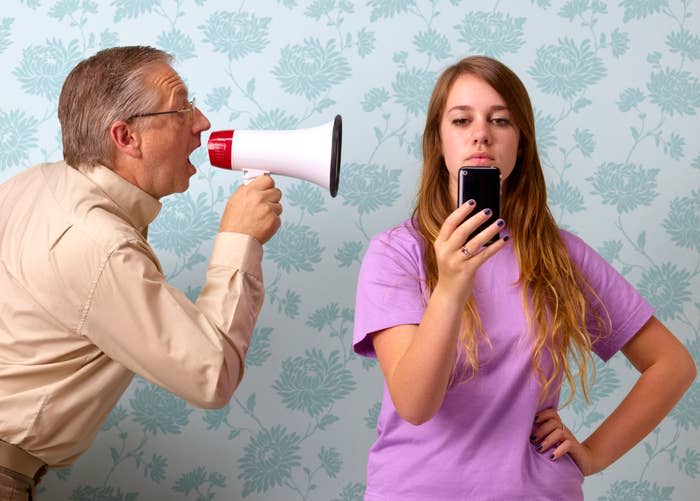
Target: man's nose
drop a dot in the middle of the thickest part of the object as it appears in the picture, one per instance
(201, 122)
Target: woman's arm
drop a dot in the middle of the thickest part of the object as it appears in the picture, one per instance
(417, 360)
(667, 371)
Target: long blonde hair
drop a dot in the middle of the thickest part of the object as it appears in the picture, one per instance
(554, 291)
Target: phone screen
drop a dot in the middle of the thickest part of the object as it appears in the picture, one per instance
(483, 184)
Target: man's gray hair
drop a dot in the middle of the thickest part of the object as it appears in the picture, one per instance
(108, 86)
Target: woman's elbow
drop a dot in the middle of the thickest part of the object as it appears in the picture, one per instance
(680, 371)
(415, 414)
(688, 370)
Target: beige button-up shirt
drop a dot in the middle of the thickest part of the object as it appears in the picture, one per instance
(84, 305)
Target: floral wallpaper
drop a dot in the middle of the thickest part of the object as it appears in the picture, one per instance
(616, 89)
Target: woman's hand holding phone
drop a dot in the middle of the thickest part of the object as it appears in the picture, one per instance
(458, 261)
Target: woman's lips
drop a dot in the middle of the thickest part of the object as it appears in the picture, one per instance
(480, 160)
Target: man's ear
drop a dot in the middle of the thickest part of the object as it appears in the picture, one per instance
(125, 139)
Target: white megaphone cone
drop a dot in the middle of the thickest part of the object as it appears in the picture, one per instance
(311, 154)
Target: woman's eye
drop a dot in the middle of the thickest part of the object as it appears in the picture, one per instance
(460, 121)
(500, 121)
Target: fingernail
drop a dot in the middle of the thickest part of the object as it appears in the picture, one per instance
(536, 417)
(551, 456)
(505, 239)
(539, 447)
(532, 437)
(500, 222)
(471, 202)
(487, 212)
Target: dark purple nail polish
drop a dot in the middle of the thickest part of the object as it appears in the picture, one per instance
(551, 456)
(506, 238)
(471, 202)
(536, 417)
(487, 212)
(532, 438)
(500, 223)
(539, 447)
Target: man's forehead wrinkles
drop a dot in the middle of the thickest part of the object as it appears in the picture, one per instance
(172, 80)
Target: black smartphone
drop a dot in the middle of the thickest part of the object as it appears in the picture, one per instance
(483, 184)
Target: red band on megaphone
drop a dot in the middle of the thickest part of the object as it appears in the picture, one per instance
(220, 146)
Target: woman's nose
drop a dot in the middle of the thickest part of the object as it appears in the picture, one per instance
(480, 132)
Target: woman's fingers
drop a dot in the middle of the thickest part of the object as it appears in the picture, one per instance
(454, 220)
(476, 245)
(549, 433)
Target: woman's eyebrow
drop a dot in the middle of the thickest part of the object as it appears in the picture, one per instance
(466, 107)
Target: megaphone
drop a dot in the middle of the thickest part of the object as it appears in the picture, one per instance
(311, 154)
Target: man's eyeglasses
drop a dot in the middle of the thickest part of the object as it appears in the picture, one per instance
(190, 109)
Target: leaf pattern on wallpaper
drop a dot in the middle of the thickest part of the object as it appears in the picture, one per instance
(432, 43)
(18, 135)
(43, 68)
(412, 89)
(682, 222)
(195, 481)
(637, 491)
(5, 33)
(674, 91)
(684, 43)
(183, 224)
(177, 43)
(268, 459)
(368, 187)
(294, 246)
(236, 34)
(667, 287)
(312, 68)
(306, 197)
(312, 383)
(131, 9)
(493, 34)
(567, 68)
(274, 119)
(624, 186)
(158, 410)
(259, 349)
(383, 9)
(640, 9)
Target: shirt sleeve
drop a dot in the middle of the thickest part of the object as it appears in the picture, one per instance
(195, 351)
(390, 288)
(619, 311)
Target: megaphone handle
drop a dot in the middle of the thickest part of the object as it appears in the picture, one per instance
(250, 174)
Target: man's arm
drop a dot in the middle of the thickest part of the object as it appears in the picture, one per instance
(193, 350)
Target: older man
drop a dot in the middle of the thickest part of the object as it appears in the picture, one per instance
(83, 301)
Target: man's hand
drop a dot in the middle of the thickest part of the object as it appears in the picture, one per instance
(254, 209)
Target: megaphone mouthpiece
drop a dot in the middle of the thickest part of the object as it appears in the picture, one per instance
(310, 154)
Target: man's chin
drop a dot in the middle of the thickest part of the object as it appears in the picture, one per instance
(192, 168)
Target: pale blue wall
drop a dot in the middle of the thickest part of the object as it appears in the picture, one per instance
(616, 90)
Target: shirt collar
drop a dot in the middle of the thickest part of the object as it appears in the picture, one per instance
(139, 207)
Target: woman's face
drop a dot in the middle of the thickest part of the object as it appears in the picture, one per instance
(476, 129)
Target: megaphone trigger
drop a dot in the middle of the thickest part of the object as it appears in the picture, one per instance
(250, 174)
(310, 154)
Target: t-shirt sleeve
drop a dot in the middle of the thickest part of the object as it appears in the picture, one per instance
(618, 307)
(390, 287)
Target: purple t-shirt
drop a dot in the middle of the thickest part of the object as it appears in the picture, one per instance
(477, 446)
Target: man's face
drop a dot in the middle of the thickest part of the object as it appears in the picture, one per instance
(168, 140)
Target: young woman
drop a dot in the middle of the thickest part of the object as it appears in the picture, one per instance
(475, 342)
